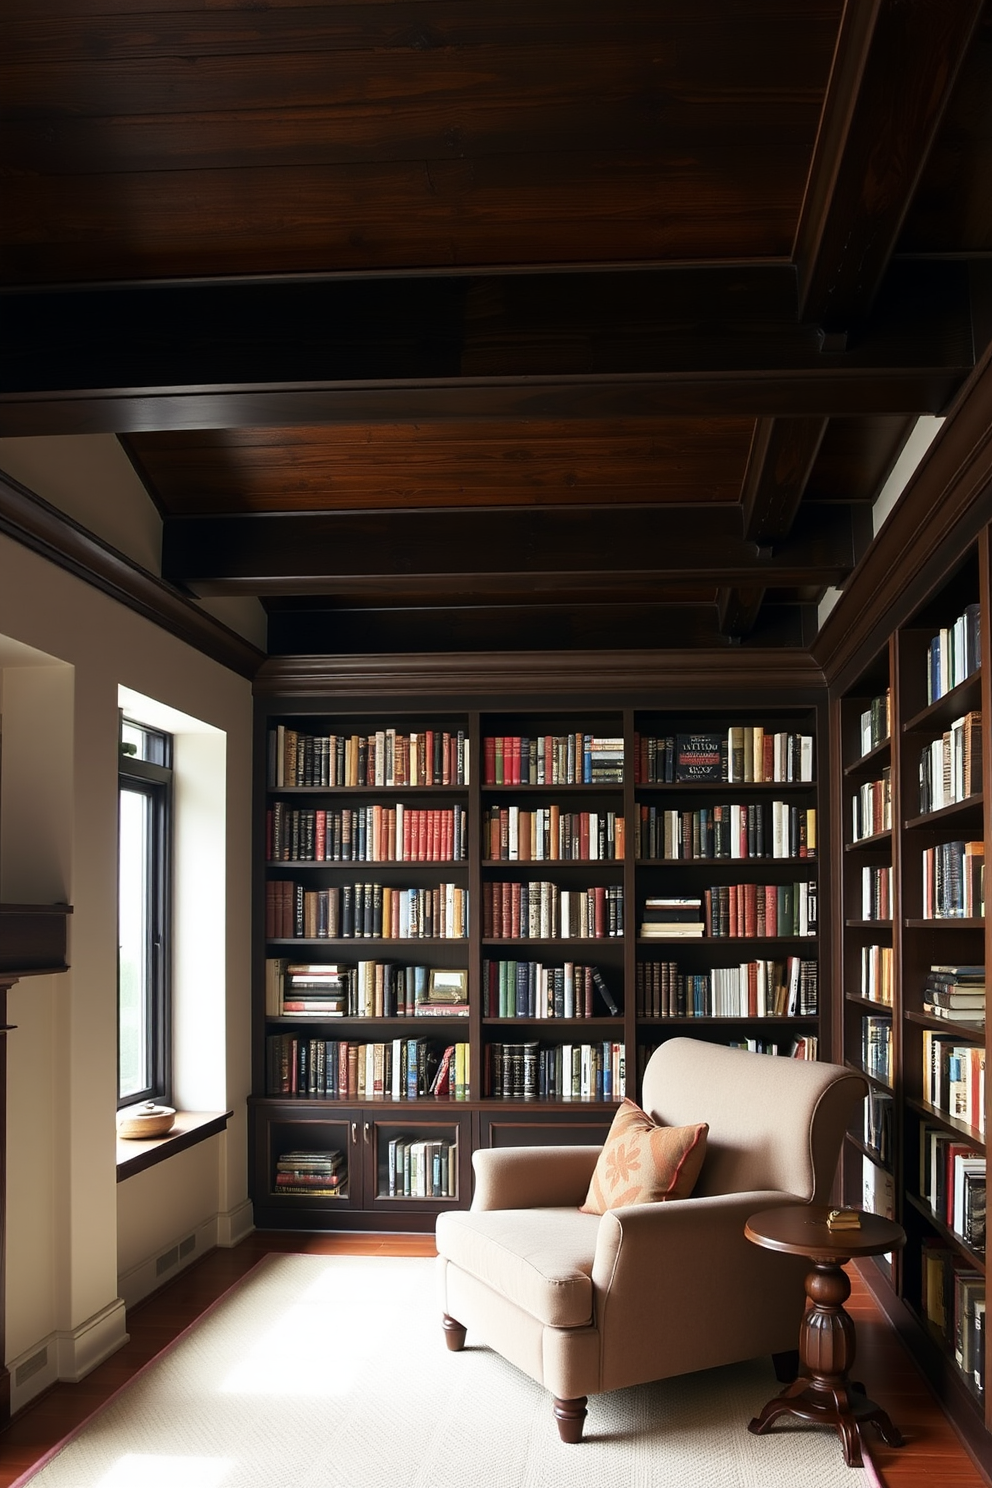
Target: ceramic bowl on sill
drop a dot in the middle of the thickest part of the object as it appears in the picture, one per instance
(145, 1120)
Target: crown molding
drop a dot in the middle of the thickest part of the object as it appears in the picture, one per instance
(38, 525)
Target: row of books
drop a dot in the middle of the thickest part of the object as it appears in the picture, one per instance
(338, 1069)
(771, 910)
(878, 1189)
(317, 1174)
(554, 1072)
(875, 722)
(754, 989)
(954, 1078)
(552, 759)
(954, 881)
(383, 758)
(951, 766)
(365, 834)
(529, 989)
(871, 807)
(421, 1168)
(954, 653)
(878, 1123)
(876, 973)
(876, 1047)
(538, 910)
(365, 911)
(955, 993)
(549, 834)
(369, 989)
(758, 829)
(952, 1182)
(953, 1304)
(743, 754)
(876, 892)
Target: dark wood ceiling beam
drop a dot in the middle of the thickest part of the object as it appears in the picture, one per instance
(782, 454)
(783, 451)
(613, 344)
(738, 609)
(893, 72)
(338, 553)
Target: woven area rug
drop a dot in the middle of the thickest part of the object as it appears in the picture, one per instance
(331, 1372)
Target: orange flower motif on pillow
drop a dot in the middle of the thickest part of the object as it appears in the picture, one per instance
(643, 1163)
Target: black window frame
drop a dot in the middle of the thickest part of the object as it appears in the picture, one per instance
(152, 777)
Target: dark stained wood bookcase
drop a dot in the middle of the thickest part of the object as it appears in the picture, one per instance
(363, 1129)
(898, 661)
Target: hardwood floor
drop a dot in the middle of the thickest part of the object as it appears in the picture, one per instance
(933, 1456)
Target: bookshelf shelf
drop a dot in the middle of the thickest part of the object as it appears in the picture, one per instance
(936, 715)
(967, 811)
(871, 1004)
(950, 1123)
(865, 844)
(945, 922)
(972, 1032)
(974, 1258)
(723, 787)
(869, 1152)
(870, 763)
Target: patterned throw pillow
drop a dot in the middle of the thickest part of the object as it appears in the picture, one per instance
(643, 1163)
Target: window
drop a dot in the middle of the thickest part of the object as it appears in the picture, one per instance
(144, 1063)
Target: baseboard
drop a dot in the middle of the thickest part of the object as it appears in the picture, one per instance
(67, 1354)
(137, 1283)
(236, 1225)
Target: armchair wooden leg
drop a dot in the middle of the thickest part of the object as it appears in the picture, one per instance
(786, 1366)
(570, 1415)
(454, 1334)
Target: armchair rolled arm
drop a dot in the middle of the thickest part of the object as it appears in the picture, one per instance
(672, 1240)
(532, 1177)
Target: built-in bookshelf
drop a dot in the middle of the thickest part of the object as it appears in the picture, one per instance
(474, 927)
(911, 946)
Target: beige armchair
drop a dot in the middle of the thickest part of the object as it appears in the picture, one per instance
(585, 1303)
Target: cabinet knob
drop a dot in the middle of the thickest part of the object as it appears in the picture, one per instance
(368, 1128)
(354, 1131)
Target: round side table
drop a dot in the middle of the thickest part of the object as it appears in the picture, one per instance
(823, 1394)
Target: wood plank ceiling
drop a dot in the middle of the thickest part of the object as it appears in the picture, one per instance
(461, 323)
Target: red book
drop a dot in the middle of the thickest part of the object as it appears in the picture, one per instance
(549, 757)
(751, 909)
(587, 978)
(584, 834)
(429, 752)
(435, 838)
(599, 907)
(319, 835)
(446, 759)
(768, 761)
(771, 911)
(511, 919)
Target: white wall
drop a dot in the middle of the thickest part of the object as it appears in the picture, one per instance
(91, 479)
(66, 1214)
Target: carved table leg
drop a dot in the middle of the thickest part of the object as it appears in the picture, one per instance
(570, 1415)
(454, 1334)
(823, 1394)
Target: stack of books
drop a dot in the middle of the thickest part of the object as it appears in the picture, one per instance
(956, 993)
(321, 1174)
(673, 919)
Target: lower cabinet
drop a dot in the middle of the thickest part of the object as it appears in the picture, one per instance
(357, 1167)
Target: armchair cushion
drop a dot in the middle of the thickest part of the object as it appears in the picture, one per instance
(643, 1162)
(541, 1258)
